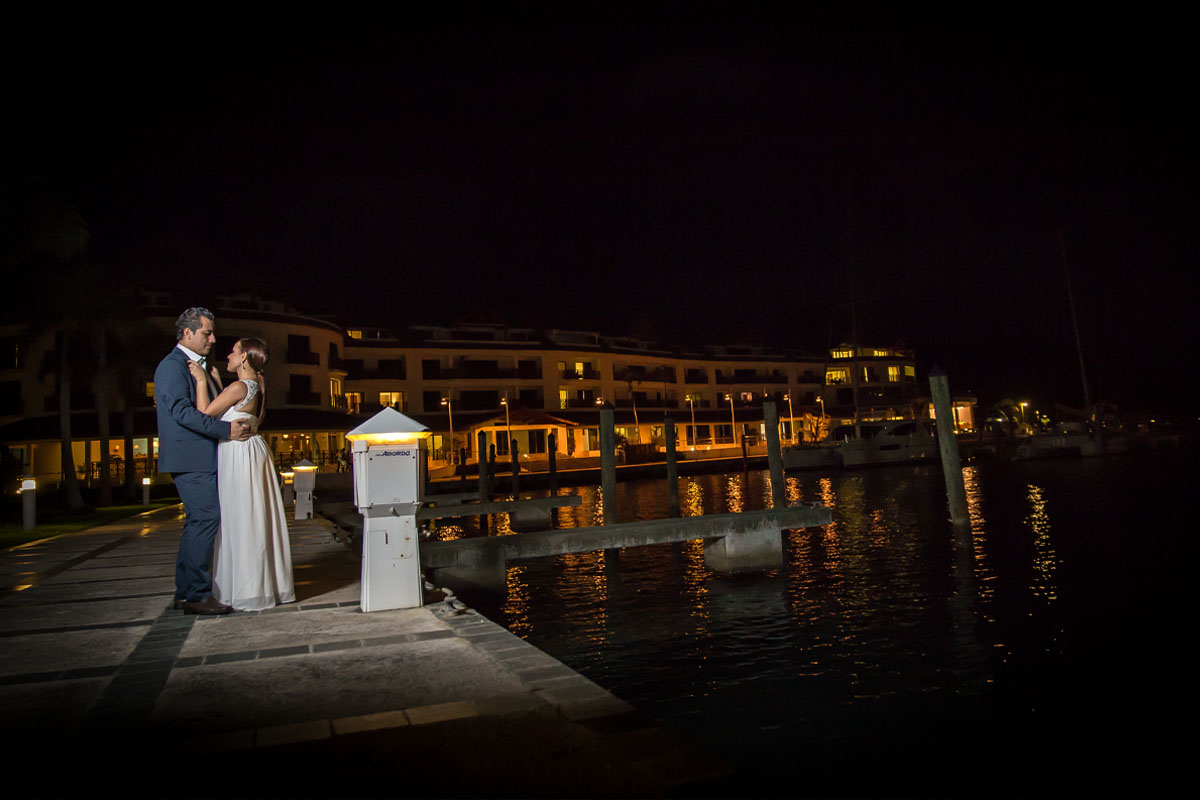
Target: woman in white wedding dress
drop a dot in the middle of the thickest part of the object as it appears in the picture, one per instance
(252, 558)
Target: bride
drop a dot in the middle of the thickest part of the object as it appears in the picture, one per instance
(252, 559)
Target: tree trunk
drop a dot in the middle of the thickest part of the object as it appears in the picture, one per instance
(106, 498)
(127, 419)
(71, 493)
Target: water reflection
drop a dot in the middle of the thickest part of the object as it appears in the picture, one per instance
(983, 576)
(882, 620)
(516, 602)
(693, 500)
(1045, 562)
(734, 494)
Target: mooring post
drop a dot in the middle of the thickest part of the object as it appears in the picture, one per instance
(484, 477)
(608, 464)
(516, 469)
(552, 450)
(672, 468)
(939, 387)
(774, 456)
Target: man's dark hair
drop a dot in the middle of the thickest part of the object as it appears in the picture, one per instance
(191, 320)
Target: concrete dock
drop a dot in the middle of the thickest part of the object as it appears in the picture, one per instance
(107, 690)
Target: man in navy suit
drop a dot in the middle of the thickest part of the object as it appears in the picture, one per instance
(187, 448)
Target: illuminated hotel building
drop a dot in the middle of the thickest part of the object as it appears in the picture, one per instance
(532, 386)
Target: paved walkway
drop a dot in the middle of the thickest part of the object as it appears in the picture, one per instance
(106, 690)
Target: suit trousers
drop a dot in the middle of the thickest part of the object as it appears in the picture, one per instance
(193, 566)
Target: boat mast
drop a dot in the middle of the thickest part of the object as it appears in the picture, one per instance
(1087, 395)
(853, 292)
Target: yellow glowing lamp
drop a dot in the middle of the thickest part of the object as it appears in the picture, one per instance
(28, 485)
(145, 481)
(388, 454)
(304, 465)
(389, 426)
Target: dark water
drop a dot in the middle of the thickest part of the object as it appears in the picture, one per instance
(1047, 652)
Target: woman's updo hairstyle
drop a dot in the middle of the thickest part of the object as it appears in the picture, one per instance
(256, 352)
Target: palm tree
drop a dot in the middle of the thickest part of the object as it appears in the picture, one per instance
(130, 339)
(49, 240)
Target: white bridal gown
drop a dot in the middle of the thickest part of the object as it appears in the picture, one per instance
(252, 559)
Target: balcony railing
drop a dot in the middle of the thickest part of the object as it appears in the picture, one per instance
(656, 375)
(303, 357)
(749, 376)
(299, 398)
(649, 402)
(588, 374)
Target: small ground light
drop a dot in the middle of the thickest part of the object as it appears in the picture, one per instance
(28, 494)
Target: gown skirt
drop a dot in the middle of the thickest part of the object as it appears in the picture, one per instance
(252, 557)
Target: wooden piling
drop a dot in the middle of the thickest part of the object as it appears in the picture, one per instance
(515, 458)
(774, 455)
(672, 468)
(608, 464)
(552, 452)
(956, 493)
(485, 478)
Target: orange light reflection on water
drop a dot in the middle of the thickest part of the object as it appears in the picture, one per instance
(516, 604)
(735, 499)
(693, 500)
(984, 575)
(1045, 560)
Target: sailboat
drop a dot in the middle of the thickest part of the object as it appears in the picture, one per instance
(1089, 437)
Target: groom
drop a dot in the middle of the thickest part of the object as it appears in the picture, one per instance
(187, 448)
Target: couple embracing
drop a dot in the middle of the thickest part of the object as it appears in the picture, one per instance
(234, 551)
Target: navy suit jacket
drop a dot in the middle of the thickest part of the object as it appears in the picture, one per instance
(187, 438)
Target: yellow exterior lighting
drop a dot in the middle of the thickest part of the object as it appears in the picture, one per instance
(387, 427)
(388, 438)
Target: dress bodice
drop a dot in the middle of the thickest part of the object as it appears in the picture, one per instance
(237, 413)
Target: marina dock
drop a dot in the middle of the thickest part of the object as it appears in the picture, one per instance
(125, 695)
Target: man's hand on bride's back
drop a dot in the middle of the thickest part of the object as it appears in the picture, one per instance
(240, 430)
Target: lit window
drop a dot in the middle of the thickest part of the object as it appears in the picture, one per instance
(910, 371)
(563, 399)
(893, 373)
(835, 376)
(846, 353)
(883, 353)
(354, 334)
(394, 399)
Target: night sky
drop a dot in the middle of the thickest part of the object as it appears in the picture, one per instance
(692, 180)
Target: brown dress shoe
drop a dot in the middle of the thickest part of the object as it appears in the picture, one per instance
(208, 605)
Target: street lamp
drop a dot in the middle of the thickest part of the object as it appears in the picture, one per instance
(732, 418)
(507, 426)
(791, 417)
(692, 406)
(450, 412)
